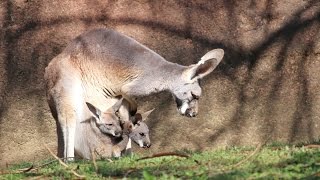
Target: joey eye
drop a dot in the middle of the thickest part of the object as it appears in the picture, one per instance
(117, 113)
(110, 124)
(141, 134)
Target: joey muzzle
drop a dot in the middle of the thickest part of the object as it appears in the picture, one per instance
(107, 130)
(146, 145)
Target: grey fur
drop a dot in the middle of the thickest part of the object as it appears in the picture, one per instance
(101, 64)
(135, 129)
(108, 122)
(105, 145)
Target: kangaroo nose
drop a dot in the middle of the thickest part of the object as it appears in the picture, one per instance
(190, 113)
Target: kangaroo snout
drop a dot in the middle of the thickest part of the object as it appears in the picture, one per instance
(189, 109)
(191, 113)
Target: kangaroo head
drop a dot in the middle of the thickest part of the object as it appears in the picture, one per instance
(108, 121)
(187, 90)
(140, 131)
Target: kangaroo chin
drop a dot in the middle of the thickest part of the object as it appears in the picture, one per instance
(183, 108)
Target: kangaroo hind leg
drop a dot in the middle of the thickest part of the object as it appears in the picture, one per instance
(68, 105)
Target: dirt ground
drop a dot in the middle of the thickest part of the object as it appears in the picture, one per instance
(267, 85)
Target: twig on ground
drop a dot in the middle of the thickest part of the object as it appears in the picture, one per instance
(25, 170)
(312, 146)
(130, 171)
(38, 177)
(110, 160)
(230, 168)
(33, 168)
(18, 171)
(42, 165)
(258, 148)
(164, 154)
(64, 164)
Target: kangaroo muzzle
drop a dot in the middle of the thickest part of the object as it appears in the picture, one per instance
(107, 130)
(189, 109)
(183, 108)
(190, 112)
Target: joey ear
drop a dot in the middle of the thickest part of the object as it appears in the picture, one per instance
(117, 105)
(86, 121)
(95, 111)
(145, 115)
(205, 66)
(136, 118)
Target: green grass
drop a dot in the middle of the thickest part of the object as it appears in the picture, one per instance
(271, 162)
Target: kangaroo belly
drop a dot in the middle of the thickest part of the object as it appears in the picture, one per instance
(89, 141)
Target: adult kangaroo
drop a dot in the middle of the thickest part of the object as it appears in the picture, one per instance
(102, 64)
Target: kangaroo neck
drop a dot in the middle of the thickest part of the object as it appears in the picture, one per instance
(156, 79)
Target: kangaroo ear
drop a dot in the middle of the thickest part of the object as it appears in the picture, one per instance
(95, 111)
(132, 104)
(145, 115)
(117, 105)
(213, 54)
(205, 66)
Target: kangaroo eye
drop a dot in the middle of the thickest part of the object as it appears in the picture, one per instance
(141, 134)
(109, 124)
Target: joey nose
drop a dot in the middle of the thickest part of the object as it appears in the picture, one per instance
(147, 145)
(117, 134)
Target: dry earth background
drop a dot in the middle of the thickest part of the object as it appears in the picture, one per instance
(267, 84)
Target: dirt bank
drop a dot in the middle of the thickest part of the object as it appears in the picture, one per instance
(267, 84)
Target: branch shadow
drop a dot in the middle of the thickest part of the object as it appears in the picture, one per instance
(287, 32)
